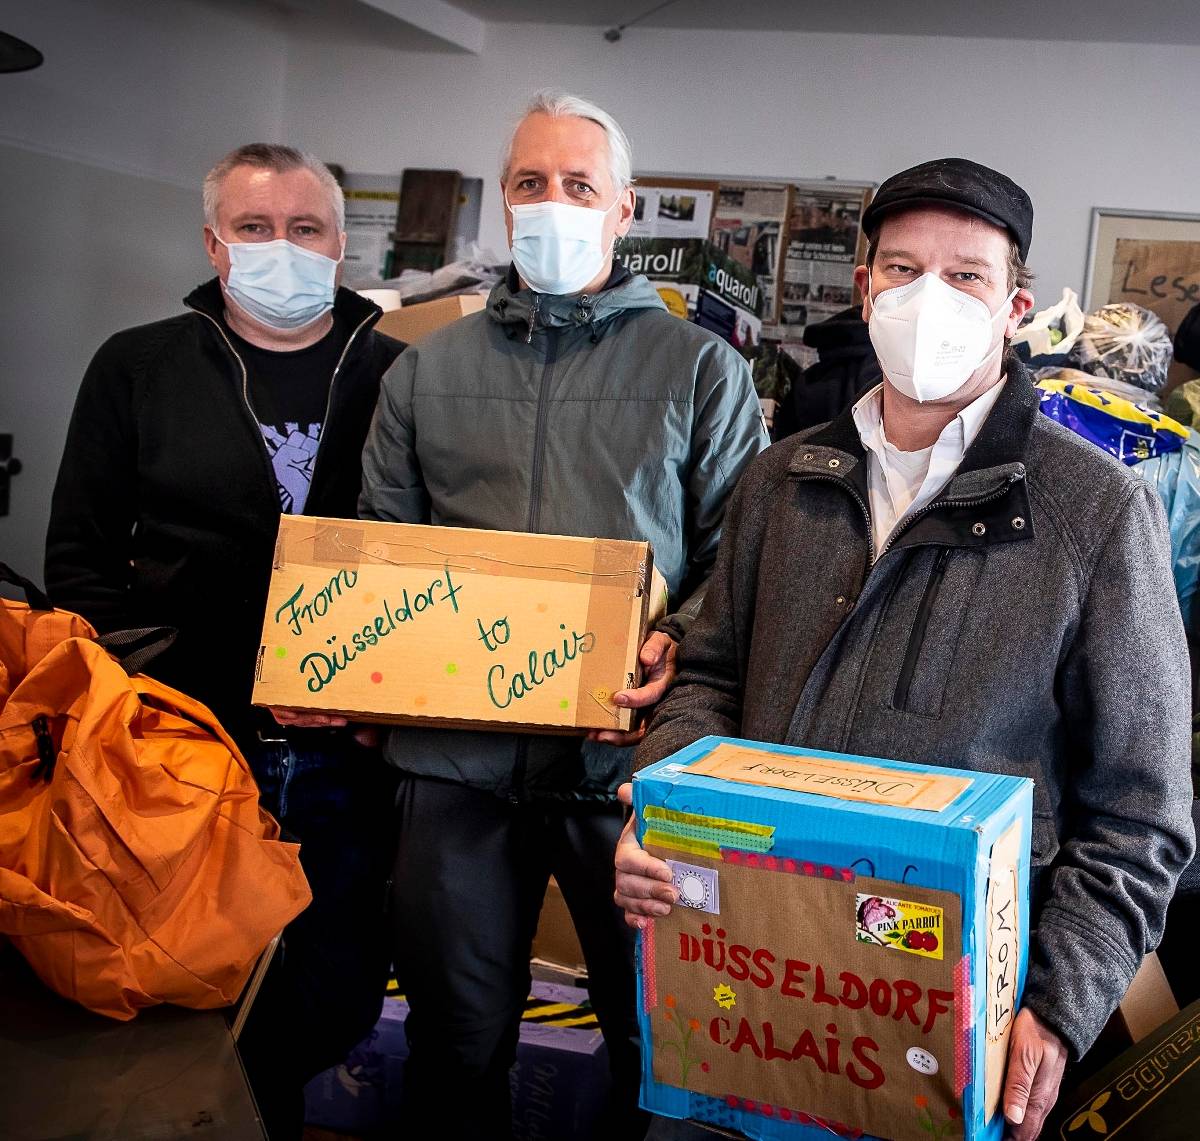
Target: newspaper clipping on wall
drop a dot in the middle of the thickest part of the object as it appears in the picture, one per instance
(748, 227)
(372, 201)
(819, 259)
(682, 208)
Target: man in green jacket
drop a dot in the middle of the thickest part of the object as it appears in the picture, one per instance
(573, 404)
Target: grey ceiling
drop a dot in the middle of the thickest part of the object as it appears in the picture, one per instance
(1117, 21)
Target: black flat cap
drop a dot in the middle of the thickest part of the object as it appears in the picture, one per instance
(960, 183)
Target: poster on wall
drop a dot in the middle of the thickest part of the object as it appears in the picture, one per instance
(798, 239)
(1149, 259)
(372, 201)
(821, 253)
(748, 226)
(672, 208)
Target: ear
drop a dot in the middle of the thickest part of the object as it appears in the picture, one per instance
(218, 257)
(860, 283)
(625, 211)
(1021, 304)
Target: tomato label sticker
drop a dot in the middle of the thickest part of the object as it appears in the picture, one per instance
(900, 924)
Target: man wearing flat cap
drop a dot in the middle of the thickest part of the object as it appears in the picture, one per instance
(944, 575)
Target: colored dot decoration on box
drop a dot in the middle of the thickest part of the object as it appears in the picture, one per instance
(369, 597)
(962, 1045)
(649, 979)
(564, 704)
(451, 668)
(377, 677)
(747, 859)
(281, 651)
(748, 1105)
(420, 700)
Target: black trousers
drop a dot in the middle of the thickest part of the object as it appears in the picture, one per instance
(470, 876)
(324, 989)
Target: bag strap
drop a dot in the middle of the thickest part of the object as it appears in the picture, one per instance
(34, 595)
(135, 649)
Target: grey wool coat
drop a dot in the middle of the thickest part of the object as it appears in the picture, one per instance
(1024, 623)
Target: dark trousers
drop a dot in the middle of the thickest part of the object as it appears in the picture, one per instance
(324, 989)
(470, 875)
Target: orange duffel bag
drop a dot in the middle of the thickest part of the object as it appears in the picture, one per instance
(136, 866)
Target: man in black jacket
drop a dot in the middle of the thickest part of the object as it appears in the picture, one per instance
(188, 439)
(846, 368)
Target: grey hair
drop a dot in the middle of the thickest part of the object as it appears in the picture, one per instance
(561, 105)
(280, 159)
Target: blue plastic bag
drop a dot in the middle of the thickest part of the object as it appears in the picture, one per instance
(1176, 478)
(1131, 432)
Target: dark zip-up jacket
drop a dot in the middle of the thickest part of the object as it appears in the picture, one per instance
(846, 368)
(166, 507)
(1023, 623)
(602, 416)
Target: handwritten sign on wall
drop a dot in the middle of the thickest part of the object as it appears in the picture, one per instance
(1163, 276)
(1149, 260)
(393, 622)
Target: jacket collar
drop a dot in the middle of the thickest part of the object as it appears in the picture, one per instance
(992, 471)
(352, 307)
(519, 309)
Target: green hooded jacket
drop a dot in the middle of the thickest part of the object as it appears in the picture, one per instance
(598, 415)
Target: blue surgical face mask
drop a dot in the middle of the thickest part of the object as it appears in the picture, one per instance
(558, 247)
(280, 284)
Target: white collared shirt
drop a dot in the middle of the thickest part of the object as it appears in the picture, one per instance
(901, 483)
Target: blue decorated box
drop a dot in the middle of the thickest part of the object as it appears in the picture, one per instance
(850, 944)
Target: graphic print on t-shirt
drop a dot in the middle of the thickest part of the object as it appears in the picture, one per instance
(292, 454)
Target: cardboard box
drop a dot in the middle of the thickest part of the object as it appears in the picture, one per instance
(454, 627)
(1148, 1093)
(558, 1084)
(413, 323)
(850, 946)
(556, 942)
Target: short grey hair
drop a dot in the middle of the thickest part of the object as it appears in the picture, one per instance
(561, 105)
(280, 159)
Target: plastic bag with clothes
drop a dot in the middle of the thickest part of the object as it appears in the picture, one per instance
(1176, 478)
(1125, 342)
(1051, 333)
(1131, 432)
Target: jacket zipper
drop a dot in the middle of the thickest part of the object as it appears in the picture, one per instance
(272, 483)
(974, 502)
(329, 399)
(533, 316)
(916, 639)
(866, 511)
(873, 558)
(539, 432)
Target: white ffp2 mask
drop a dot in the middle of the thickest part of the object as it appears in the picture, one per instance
(930, 337)
(558, 247)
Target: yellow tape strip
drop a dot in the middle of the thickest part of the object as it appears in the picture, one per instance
(653, 812)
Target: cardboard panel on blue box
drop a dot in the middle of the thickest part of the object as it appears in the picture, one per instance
(559, 1082)
(850, 945)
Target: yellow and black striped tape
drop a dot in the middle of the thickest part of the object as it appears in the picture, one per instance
(578, 1016)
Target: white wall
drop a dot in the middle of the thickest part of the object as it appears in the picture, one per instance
(1078, 125)
(102, 150)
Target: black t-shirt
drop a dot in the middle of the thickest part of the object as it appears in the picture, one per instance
(289, 394)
